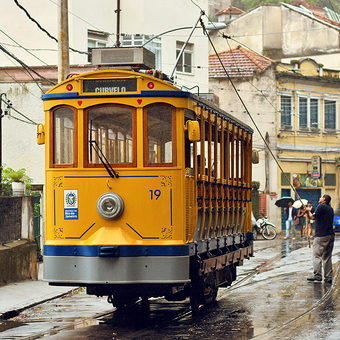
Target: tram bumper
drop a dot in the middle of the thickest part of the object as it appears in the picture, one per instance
(105, 269)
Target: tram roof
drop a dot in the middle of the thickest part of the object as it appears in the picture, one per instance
(168, 90)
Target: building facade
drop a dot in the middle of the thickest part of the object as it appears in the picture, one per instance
(295, 108)
(284, 32)
(308, 147)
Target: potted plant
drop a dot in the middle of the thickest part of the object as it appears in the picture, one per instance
(18, 179)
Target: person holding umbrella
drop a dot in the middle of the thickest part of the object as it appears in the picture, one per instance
(323, 240)
(291, 214)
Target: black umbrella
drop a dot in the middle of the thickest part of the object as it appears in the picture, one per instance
(283, 202)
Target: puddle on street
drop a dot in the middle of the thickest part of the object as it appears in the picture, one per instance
(8, 324)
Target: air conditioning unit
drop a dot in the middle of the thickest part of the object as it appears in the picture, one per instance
(125, 56)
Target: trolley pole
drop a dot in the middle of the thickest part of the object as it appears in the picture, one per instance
(63, 42)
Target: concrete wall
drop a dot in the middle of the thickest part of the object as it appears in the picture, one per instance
(17, 218)
(19, 145)
(10, 221)
(18, 251)
(18, 261)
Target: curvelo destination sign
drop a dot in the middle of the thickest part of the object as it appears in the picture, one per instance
(110, 85)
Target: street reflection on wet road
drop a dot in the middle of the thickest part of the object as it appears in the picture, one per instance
(275, 303)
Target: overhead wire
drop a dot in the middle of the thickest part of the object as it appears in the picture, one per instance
(23, 47)
(78, 17)
(10, 107)
(13, 78)
(43, 29)
(24, 65)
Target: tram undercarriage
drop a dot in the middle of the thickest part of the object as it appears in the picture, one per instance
(208, 271)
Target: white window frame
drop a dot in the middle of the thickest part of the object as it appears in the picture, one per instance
(309, 126)
(97, 39)
(286, 127)
(137, 40)
(188, 52)
(335, 100)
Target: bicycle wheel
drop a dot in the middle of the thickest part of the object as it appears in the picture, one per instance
(269, 232)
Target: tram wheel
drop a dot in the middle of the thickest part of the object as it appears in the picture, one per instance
(122, 301)
(210, 288)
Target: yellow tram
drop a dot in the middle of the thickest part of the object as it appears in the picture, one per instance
(148, 189)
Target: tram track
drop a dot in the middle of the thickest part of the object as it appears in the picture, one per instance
(159, 303)
(183, 314)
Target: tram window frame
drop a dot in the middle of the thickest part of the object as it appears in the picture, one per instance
(147, 163)
(132, 164)
(74, 147)
(189, 115)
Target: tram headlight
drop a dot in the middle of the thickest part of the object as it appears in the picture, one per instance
(110, 205)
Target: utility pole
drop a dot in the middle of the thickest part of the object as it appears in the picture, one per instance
(266, 164)
(63, 44)
(2, 114)
(118, 23)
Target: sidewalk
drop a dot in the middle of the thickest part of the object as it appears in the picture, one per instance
(16, 297)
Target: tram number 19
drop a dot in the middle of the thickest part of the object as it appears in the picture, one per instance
(155, 194)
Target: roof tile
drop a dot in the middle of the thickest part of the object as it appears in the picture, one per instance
(230, 10)
(239, 62)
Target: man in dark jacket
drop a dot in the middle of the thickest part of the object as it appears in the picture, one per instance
(324, 240)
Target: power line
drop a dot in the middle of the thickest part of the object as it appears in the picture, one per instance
(43, 29)
(82, 19)
(20, 84)
(10, 107)
(22, 47)
(24, 65)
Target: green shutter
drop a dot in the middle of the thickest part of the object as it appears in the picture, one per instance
(283, 178)
(330, 179)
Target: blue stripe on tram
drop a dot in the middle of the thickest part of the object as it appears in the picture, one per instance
(123, 251)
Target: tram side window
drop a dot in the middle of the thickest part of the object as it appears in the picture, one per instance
(110, 131)
(159, 128)
(189, 146)
(63, 136)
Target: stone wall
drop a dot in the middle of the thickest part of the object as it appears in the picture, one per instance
(16, 218)
(18, 261)
(18, 251)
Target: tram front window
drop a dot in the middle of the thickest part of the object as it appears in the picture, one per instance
(63, 136)
(110, 129)
(159, 128)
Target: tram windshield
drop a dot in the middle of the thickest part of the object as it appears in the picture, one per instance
(111, 128)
